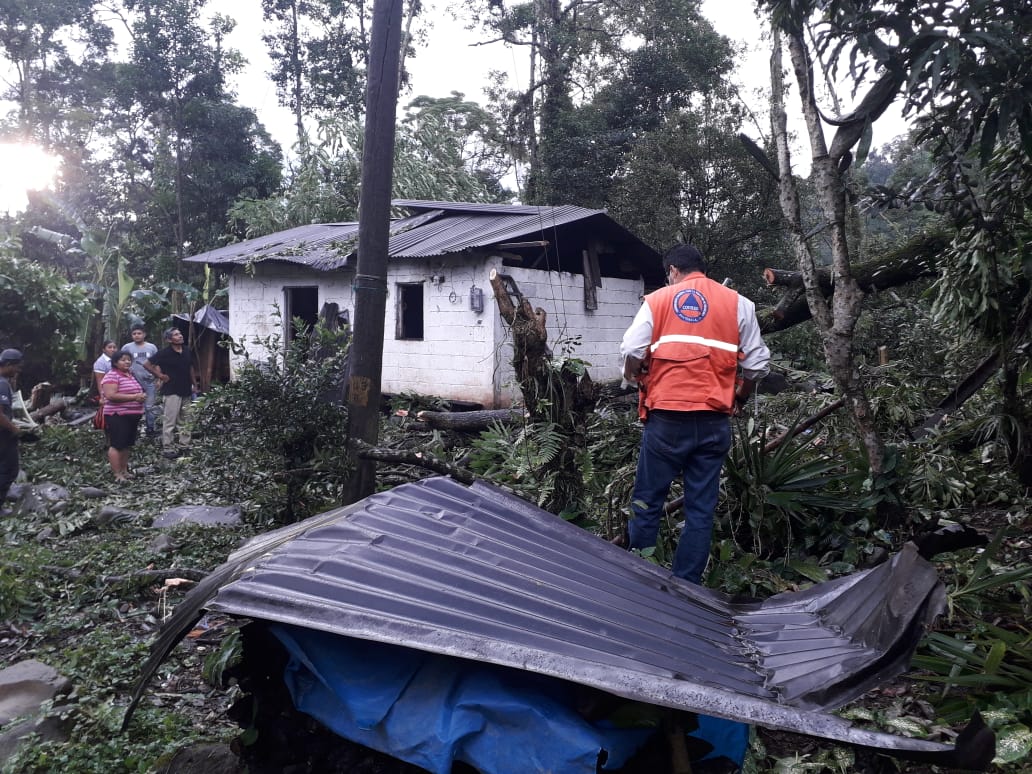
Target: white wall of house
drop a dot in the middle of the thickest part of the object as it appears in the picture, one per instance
(254, 297)
(463, 354)
(561, 295)
(455, 357)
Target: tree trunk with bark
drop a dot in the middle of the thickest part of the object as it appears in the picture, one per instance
(836, 320)
(559, 394)
(469, 421)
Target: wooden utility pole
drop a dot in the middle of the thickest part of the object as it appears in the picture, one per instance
(364, 389)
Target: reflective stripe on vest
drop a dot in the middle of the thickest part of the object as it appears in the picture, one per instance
(679, 338)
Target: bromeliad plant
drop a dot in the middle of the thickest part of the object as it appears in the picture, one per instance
(776, 492)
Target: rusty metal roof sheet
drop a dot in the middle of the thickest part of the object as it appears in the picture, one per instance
(478, 573)
(431, 229)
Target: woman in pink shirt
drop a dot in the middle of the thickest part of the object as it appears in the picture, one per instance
(123, 407)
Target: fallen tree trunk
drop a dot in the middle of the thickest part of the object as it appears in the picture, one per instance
(912, 261)
(470, 421)
(49, 410)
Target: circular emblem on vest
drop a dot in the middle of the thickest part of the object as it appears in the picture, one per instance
(690, 305)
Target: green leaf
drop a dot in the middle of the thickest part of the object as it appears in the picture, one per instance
(995, 657)
(1013, 743)
(808, 570)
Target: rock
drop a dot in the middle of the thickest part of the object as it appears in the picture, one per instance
(52, 493)
(26, 685)
(113, 514)
(162, 544)
(773, 383)
(59, 507)
(31, 503)
(91, 492)
(203, 759)
(45, 534)
(199, 514)
(17, 491)
(45, 729)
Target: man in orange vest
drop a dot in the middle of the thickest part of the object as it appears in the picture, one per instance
(683, 350)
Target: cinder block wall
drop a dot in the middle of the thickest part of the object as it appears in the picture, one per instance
(253, 299)
(561, 295)
(464, 355)
(455, 358)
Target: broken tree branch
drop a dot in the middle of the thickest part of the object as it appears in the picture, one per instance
(805, 425)
(143, 577)
(420, 459)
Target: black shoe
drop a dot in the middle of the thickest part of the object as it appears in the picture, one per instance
(170, 454)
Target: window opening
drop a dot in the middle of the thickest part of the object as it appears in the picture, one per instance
(300, 303)
(410, 310)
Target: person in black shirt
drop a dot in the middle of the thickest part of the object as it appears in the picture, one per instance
(174, 368)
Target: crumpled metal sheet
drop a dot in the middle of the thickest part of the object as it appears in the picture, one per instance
(477, 573)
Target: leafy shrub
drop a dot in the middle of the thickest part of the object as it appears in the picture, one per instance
(41, 314)
(284, 425)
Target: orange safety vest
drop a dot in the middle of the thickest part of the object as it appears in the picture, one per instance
(693, 356)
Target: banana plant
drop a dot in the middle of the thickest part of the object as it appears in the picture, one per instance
(111, 288)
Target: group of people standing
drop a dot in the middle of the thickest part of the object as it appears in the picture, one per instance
(127, 380)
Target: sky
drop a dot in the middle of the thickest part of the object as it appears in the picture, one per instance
(450, 62)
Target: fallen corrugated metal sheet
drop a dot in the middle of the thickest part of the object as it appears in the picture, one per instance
(207, 317)
(477, 573)
(433, 229)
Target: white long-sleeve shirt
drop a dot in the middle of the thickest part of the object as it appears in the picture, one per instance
(756, 356)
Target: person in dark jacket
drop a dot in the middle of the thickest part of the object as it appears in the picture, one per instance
(174, 368)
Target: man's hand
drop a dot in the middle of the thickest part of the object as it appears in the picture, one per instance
(633, 369)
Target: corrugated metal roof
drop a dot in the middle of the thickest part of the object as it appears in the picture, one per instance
(497, 209)
(305, 245)
(477, 573)
(433, 229)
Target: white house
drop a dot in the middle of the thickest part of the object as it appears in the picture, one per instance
(443, 333)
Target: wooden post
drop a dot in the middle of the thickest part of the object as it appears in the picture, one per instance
(364, 386)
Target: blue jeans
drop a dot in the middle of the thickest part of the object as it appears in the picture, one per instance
(692, 443)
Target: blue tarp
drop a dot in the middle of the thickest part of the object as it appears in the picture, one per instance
(432, 710)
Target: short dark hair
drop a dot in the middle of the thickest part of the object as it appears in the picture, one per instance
(138, 327)
(121, 354)
(169, 332)
(685, 258)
